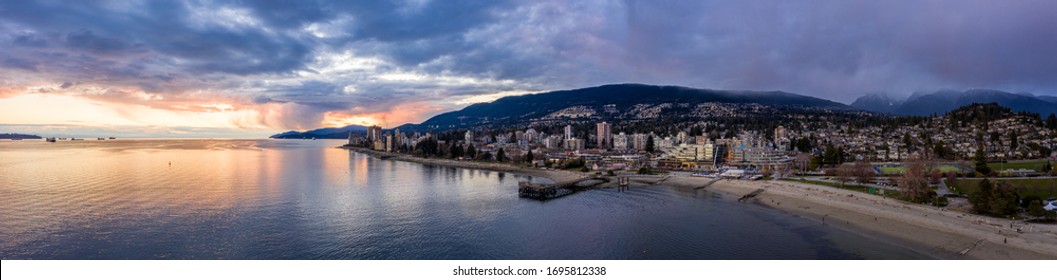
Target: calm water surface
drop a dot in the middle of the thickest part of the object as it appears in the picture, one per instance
(296, 199)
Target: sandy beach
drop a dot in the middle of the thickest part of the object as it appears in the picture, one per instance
(930, 230)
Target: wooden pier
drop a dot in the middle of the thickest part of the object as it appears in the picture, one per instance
(543, 191)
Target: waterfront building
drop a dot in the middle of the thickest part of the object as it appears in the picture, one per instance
(666, 144)
(780, 133)
(691, 152)
(574, 144)
(374, 133)
(569, 132)
(552, 142)
(531, 135)
(620, 142)
(638, 141)
(682, 137)
(605, 135)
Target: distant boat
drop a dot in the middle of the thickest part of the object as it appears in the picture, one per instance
(52, 139)
(16, 139)
(100, 138)
(76, 139)
(62, 138)
(112, 138)
(313, 138)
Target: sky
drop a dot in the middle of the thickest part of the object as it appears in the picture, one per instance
(254, 68)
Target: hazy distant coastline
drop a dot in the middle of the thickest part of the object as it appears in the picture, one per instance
(18, 136)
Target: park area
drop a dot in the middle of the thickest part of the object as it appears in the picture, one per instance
(1037, 165)
(899, 169)
(1039, 187)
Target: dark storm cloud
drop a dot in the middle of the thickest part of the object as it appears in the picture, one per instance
(275, 52)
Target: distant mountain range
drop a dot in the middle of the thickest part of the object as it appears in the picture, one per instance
(619, 101)
(323, 133)
(924, 104)
(638, 101)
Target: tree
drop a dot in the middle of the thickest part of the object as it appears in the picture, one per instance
(913, 184)
(952, 180)
(864, 171)
(500, 155)
(1013, 141)
(649, 144)
(471, 152)
(1035, 209)
(937, 175)
(845, 173)
(995, 200)
(529, 157)
(981, 199)
(1003, 200)
(457, 151)
(803, 160)
(981, 161)
(940, 151)
(1051, 121)
(831, 156)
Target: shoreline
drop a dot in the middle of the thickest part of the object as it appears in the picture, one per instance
(924, 229)
(553, 175)
(928, 230)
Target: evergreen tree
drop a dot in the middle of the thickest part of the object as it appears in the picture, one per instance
(529, 157)
(500, 155)
(471, 152)
(649, 144)
(1051, 121)
(981, 199)
(1013, 140)
(981, 161)
(1035, 209)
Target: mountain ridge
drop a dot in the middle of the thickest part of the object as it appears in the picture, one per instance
(618, 97)
(322, 133)
(941, 101)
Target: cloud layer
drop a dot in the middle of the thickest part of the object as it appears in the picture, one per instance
(304, 64)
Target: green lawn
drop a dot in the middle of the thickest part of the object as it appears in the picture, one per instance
(1036, 165)
(1043, 188)
(949, 168)
(893, 170)
(837, 185)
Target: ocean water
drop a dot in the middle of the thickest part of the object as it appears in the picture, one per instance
(302, 199)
